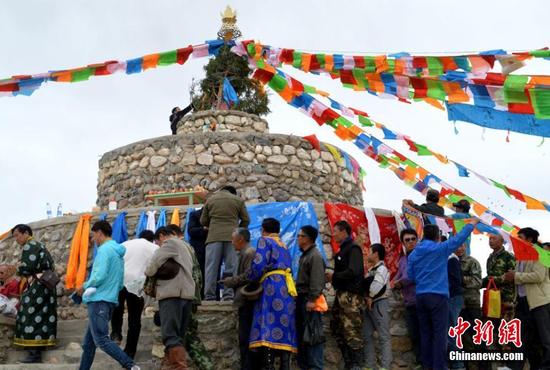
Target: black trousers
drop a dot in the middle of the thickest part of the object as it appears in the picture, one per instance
(135, 308)
(249, 359)
(541, 319)
(529, 334)
(174, 318)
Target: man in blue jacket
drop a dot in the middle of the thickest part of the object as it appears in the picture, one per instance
(427, 267)
(100, 293)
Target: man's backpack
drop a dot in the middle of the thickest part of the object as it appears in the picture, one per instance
(365, 286)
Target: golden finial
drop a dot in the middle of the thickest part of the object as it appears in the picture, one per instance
(229, 14)
(229, 29)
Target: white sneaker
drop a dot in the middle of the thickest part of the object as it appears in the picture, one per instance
(135, 367)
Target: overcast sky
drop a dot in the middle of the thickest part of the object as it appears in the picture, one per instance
(50, 143)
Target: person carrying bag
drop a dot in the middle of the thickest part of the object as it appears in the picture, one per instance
(491, 300)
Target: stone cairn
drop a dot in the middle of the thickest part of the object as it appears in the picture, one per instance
(212, 149)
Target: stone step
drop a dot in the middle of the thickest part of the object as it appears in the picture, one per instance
(68, 328)
(96, 366)
(72, 356)
(145, 340)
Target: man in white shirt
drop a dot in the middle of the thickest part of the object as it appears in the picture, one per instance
(137, 257)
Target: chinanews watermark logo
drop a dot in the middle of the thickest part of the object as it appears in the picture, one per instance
(509, 336)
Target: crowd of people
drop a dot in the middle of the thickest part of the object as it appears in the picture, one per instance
(280, 314)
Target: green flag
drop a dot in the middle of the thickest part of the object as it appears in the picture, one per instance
(251, 49)
(540, 97)
(297, 63)
(514, 89)
(309, 89)
(435, 89)
(540, 53)
(82, 74)
(370, 64)
(278, 83)
(364, 121)
(544, 256)
(423, 150)
(167, 58)
(435, 68)
(344, 122)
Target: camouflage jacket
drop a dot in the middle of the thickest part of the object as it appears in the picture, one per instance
(497, 264)
(471, 281)
(196, 273)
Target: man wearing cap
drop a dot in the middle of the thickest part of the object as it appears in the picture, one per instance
(430, 207)
(241, 243)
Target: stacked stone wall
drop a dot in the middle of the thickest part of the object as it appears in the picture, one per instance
(263, 167)
(222, 121)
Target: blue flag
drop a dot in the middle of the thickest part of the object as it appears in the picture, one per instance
(120, 230)
(162, 218)
(141, 224)
(229, 93)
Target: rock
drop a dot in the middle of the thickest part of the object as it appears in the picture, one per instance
(261, 158)
(199, 149)
(230, 148)
(289, 150)
(188, 160)
(274, 171)
(205, 159)
(73, 346)
(233, 120)
(133, 165)
(157, 161)
(398, 330)
(174, 158)
(302, 154)
(149, 151)
(251, 193)
(326, 156)
(347, 176)
(315, 154)
(223, 159)
(248, 156)
(144, 162)
(294, 161)
(260, 126)
(258, 149)
(279, 159)
(401, 344)
(165, 152)
(215, 149)
(276, 150)
(267, 151)
(318, 164)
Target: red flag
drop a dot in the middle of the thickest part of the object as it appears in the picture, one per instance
(314, 141)
(183, 54)
(287, 56)
(524, 251)
(359, 61)
(420, 87)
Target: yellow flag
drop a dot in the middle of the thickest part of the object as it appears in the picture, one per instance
(175, 220)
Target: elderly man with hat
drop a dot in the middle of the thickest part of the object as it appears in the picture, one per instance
(244, 298)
